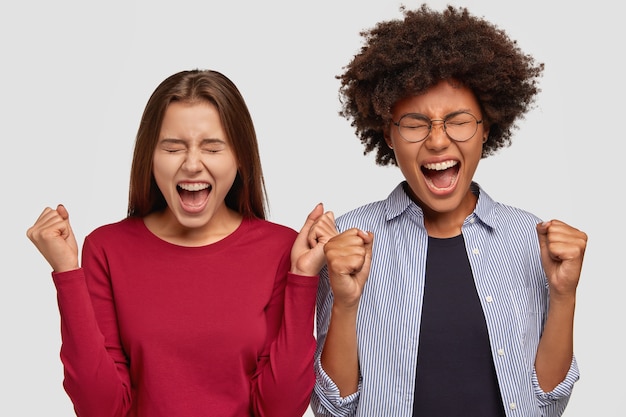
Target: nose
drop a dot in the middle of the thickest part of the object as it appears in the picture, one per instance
(437, 137)
(192, 162)
(437, 123)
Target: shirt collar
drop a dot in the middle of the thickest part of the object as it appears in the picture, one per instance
(399, 202)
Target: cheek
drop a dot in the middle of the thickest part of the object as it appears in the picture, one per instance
(406, 153)
(163, 169)
(471, 159)
(222, 167)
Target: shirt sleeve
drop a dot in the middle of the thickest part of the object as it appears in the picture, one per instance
(96, 376)
(554, 402)
(284, 379)
(326, 399)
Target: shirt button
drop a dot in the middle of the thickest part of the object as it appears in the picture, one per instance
(475, 251)
(472, 220)
(512, 406)
(489, 298)
(500, 352)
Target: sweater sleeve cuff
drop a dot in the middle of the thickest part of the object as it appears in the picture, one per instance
(67, 277)
(303, 280)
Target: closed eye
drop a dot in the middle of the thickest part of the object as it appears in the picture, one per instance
(172, 145)
(213, 145)
(213, 149)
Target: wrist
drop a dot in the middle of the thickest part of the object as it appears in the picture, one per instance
(348, 310)
(65, 267)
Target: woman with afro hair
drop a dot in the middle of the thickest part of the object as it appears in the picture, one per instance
(438, 300)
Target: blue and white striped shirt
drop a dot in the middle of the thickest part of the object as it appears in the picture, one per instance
(503, 251)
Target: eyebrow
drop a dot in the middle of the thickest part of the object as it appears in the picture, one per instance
(206, 141)
(446, 115)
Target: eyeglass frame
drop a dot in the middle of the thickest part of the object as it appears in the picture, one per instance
(430, 125)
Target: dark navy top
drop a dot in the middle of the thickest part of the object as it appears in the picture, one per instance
(455, 371)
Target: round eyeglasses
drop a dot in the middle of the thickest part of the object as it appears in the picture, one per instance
(459, 126)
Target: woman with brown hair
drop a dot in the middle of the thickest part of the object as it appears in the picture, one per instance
(194, 304)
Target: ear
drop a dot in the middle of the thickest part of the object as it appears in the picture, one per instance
(486, 133)
(387, 137)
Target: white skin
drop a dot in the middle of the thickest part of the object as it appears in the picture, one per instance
(348, 254)
(193, 152)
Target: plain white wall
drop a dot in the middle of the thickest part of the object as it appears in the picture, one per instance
(76, 76)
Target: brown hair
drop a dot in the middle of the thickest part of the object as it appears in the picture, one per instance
(405, 57)
(247, 194)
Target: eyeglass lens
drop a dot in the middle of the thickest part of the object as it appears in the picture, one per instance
(459, 126)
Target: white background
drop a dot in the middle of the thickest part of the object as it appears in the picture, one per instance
(76, 76)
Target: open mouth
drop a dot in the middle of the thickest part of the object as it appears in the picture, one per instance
(193, 195)
(441, 176)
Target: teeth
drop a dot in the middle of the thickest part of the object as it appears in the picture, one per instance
(440, 166)
(197, 186)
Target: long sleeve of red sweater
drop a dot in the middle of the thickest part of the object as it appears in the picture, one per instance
(154, 329)
(284, 368)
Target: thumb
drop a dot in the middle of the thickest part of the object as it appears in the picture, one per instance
(66, 216)
(542, 234)
(368, 240)
(63, 212)
(369, 244)
(318, 210)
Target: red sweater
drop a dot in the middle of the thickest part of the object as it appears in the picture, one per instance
(154, 329)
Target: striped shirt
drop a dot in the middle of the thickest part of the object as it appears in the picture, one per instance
(503, 250)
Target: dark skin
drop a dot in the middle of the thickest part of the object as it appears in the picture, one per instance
(446, 205)
(405, 57)
(403, 67)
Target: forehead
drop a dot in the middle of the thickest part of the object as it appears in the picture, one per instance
(445, 97)
(177, 110)
(198, 118)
